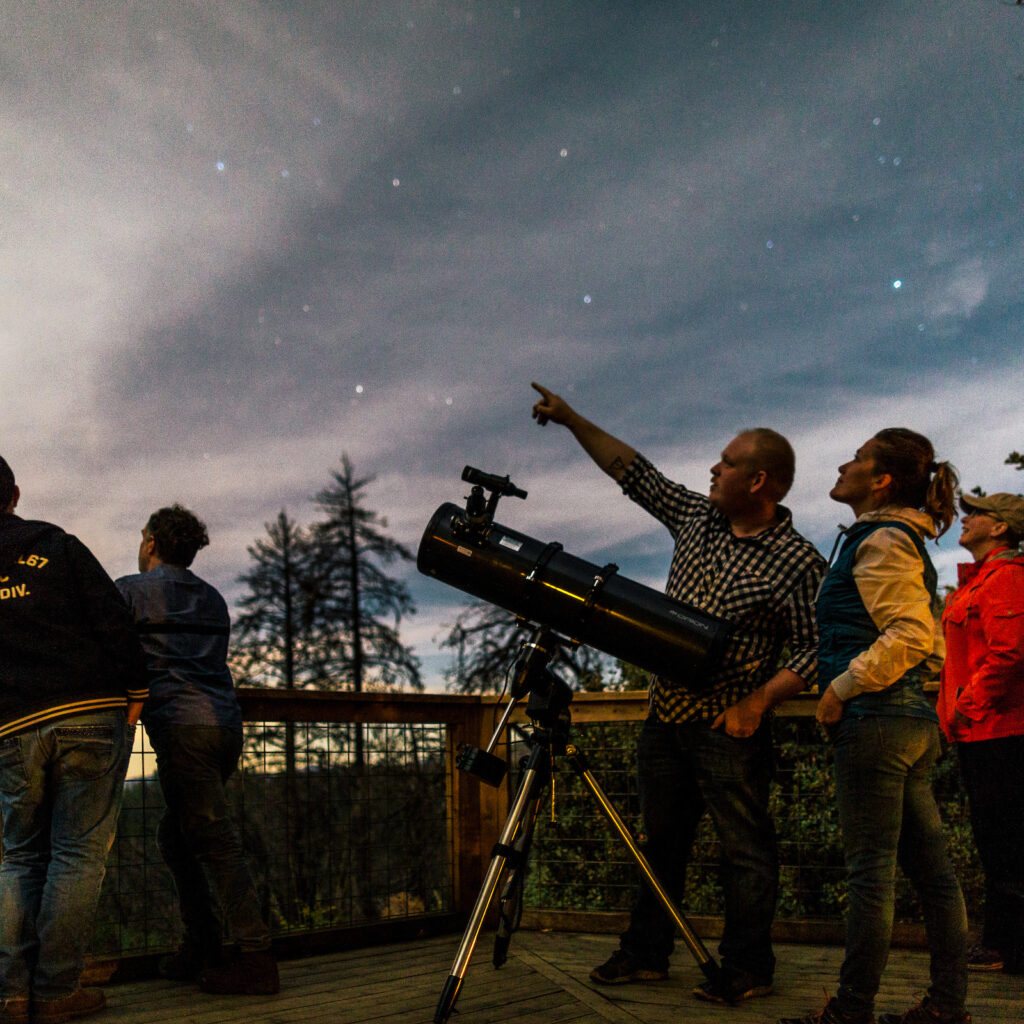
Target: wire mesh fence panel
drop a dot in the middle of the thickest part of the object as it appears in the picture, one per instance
(576, 863)
(342, 825)
(137, 911)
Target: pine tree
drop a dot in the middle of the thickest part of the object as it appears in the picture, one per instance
(273, 644)
(356, 607)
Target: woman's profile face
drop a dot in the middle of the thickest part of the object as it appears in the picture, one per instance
(857, 485)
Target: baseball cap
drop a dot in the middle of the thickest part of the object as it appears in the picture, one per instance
(1007, 508)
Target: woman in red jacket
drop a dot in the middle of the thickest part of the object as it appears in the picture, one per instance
(981, 708)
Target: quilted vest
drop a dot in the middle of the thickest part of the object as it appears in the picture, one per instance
(845, 629)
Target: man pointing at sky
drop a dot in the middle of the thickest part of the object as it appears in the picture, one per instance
(707, 746)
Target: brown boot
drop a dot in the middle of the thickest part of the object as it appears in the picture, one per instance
(80, 1003)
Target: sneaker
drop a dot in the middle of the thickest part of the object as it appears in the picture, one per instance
(621, 967)
(830, 1014)
(251, 973)
(14, 1011)
(80, 1003)
(926, 1013)
(731, 986)
(981, 958)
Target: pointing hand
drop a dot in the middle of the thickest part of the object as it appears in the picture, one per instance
(550, 407)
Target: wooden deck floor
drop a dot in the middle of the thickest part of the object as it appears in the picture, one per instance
(545, 980)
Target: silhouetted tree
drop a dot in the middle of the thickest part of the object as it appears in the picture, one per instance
(273, 643)
(356, 606)
(486, 640)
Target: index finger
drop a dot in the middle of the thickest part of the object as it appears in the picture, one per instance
(537, 387)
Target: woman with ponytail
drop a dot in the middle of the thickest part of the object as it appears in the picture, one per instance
(878, 644)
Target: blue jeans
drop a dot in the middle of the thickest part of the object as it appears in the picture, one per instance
(60, 793)
(888, 815)
(198, 840)
(684, 770)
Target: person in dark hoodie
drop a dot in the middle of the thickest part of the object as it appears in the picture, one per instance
(72, 684)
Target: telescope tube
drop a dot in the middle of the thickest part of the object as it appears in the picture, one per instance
(578, 599)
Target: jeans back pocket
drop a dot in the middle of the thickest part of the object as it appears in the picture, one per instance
(85, 751)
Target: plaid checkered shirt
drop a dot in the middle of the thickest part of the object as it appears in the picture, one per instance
(764, 585)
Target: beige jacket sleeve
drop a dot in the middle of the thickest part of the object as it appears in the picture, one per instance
(888, 575)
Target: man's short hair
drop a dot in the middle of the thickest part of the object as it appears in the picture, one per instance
(6, 484)
(774, 454)
(178, 534)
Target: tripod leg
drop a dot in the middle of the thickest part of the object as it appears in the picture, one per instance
(510, 902)
(704, 959)
(536, 773)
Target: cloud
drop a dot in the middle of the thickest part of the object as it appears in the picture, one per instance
(965, 292)
(220, 222)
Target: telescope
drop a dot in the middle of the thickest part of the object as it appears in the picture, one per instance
(584, 602)
(565, 597)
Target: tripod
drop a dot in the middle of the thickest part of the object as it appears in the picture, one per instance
(548, 709)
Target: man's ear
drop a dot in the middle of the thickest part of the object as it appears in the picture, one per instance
(14, 499)
(758, 481)
(998, 528)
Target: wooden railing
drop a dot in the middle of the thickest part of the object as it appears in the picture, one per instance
(473, 813)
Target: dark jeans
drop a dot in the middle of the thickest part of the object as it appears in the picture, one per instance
(888, 815)
(683, 771)
(198, 841)
(60, 793)
(993, 773)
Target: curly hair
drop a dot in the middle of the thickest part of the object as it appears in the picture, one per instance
(178, 534)
(918, 481)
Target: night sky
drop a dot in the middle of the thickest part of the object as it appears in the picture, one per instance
(238, 240)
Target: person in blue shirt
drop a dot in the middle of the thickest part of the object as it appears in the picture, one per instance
(194, 724)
